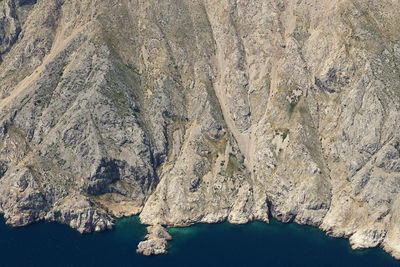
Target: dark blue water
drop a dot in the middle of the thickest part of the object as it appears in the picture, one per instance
(254, 244)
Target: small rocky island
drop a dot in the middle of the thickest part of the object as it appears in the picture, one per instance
(156, 242)
(187, 112)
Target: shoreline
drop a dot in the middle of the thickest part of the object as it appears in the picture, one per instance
(255, 241)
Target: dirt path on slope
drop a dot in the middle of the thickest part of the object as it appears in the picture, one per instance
(59, 44)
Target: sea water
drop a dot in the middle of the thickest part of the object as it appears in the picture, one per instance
(253, 244)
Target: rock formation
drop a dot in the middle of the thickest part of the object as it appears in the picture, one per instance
(202, 111)
(156, 242)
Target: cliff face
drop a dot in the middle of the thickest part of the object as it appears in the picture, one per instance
(202, 111)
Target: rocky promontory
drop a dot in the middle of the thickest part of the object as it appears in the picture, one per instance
(156, 241)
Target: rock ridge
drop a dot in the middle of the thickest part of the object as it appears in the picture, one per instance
(184, 113)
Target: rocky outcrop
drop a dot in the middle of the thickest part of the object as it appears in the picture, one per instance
(185, 113)
(156, 242)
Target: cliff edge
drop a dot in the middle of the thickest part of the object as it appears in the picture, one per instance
(202, 111)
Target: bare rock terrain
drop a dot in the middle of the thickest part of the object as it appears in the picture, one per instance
(202, 111)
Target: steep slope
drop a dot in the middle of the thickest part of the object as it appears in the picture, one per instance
(202, 111)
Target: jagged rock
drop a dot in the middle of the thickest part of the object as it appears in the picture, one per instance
(156, 242)
(157, 231)
(152, 247)
(185, 113)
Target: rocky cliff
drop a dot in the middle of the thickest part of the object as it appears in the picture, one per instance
(189, 111)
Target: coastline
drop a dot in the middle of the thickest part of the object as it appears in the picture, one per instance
(255, 243)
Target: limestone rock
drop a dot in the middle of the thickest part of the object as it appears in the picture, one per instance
(187, 113)
(156, 242)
